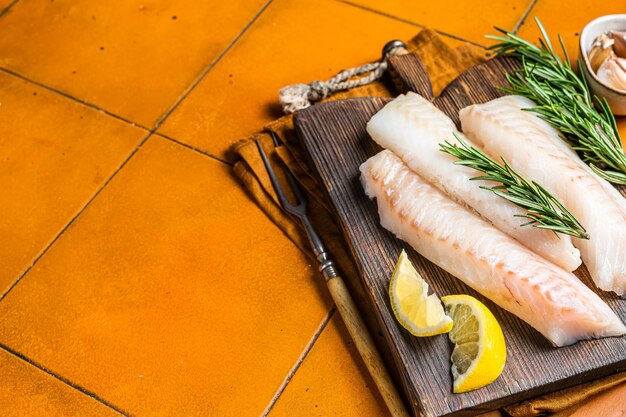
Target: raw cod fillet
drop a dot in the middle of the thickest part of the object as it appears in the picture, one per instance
(548, 298)
(536, 150)
(412, 128)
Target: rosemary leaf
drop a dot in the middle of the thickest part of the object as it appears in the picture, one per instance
(563, 100)
(543, 210)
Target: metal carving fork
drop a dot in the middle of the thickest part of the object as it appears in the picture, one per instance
(344, 302)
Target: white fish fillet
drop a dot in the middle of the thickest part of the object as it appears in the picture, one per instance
(550, 299)
(555, 136)
(412, 128)
(536, 150)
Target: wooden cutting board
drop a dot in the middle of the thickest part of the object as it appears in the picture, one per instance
(336, 140)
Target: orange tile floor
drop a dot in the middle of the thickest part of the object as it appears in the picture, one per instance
(136, 277)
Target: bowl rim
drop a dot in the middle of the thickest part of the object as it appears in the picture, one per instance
(585, 56)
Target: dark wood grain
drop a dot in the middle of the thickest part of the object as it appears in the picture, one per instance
(409, 74)
(335, 138)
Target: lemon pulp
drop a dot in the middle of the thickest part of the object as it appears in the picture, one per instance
(479, 351)
(419, 313)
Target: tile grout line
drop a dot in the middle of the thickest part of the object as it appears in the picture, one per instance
(63, 380)
(184, 145)
(70, 97)
(525, 15)
(409, 22)
(43, 252)
(299, 362)
(110, 114)
(170, 110)
(150, 132)
(124, 162)
(208, 69)
(80, 211)
(8, 7)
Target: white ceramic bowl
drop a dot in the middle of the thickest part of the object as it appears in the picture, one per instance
(616, 98)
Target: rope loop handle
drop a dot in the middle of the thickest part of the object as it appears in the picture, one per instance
(300, 96)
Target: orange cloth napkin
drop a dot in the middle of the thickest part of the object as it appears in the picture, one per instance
(567, 402)
(443, 64)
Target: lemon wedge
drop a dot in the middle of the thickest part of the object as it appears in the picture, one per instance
(419, 313)
(479, 351)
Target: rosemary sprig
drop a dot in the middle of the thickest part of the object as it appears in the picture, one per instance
(542, 209)
(565, 102)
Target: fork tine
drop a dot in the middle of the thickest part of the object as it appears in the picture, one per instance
(277, 187)
(295, 187)
(275, 138)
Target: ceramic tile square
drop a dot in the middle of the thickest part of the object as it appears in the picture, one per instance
(579, 13)
(133, 58)
(469, 19)
(28, 391)
(4, 4)
(331, 381)
(173, 284)
(240, 94)
(55, 155)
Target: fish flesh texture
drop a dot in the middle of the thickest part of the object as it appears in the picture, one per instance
(550, 299)
(547, 297)
(502, 128)
(554, 136)
(412, 128)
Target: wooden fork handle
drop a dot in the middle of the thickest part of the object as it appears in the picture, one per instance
(366, 347)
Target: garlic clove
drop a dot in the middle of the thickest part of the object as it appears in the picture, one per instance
(612, 73)
(619, 43)
(600, 51)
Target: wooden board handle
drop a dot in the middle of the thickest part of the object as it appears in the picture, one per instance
(408, 73)
(365, 345)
